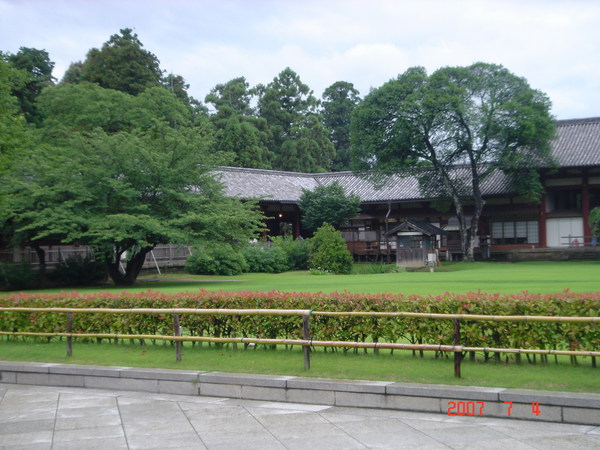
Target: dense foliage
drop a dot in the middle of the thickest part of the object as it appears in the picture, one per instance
(282, 254)
(296, 251)
(122, 64)
(216, 260)
(328, 252)
(327, 204)
(264, 257)
(36, 68)
(78, 271)
(595, 222)
(339, 100)
(500, 334)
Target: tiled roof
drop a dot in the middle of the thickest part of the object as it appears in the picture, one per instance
(577, 144)
(265, 184)
(287, 186)
(419, 225)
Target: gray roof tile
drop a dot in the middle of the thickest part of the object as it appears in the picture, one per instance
(577, 143)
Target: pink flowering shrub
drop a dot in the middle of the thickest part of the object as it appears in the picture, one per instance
(507, 334)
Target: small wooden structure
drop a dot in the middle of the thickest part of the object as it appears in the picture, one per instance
(417, 243)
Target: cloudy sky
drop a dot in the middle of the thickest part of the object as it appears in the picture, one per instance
(554, 44)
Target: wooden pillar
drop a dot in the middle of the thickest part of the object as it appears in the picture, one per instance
(306, 337)
(542, 225)
(69, 330)
(177, 332)
(457, 355)
(296, 223)
(585, 210)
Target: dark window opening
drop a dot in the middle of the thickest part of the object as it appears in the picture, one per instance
(564, 200)
(515, 232)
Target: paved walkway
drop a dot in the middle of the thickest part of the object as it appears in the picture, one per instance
(35, 417)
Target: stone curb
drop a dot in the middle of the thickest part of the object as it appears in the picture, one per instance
(546, 406)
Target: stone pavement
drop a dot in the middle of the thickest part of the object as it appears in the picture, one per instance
(36, 417)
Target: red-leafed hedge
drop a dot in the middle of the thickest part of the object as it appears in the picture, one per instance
(416, 330)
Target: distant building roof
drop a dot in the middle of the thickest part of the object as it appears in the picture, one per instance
(577, 145)
(417, 225)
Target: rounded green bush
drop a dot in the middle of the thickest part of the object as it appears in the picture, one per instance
(216, 260)
(265, 258)
(328, 252)
(295, 249)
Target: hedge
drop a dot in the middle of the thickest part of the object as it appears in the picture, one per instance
(500, 334)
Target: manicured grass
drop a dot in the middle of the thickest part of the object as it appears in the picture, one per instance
(401, 366)
(503, 278)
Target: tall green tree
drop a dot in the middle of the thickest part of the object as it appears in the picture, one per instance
(73, 74)
(239, 132)
(242, 142)
(12, 123)
(122, 64)
(38, 67)
(327, 204)
(459, 123)
(339, 100)
(232, 98)
(290, 109)
(308, 148)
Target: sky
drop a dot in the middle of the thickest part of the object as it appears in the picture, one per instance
(554, 44)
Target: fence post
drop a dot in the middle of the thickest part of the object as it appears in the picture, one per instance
(177, 332)
(306, 337)
(69, 330)
(457, 355)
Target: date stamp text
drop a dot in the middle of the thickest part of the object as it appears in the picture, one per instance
(461, 408)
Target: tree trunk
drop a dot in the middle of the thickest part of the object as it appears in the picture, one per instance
(132, 268)
(41, 254)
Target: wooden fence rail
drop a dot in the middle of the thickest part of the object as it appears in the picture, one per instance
(306, 342)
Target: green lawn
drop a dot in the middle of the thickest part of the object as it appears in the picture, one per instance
(400, 366)
(503, 278)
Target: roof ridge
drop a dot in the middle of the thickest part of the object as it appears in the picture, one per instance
(264, 171)
(577, 121)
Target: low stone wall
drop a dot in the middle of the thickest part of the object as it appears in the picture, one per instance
(547, 406)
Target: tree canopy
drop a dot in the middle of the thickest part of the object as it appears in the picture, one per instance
(12, 123)
(122, 64)
(339, 100)
(299, 141)
(37, 68)
(240, 133)
(460, 124)
(327, 204)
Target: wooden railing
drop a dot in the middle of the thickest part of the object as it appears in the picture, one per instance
(573, 241)
(306, 342)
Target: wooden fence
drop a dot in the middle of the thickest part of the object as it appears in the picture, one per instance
(161, 256)
(306, 342)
